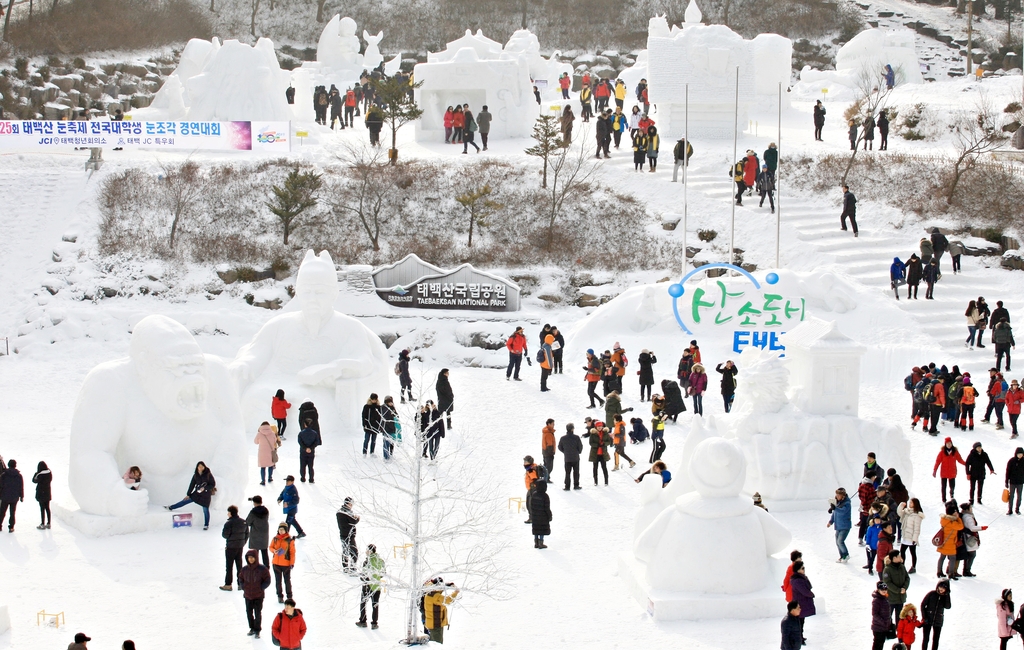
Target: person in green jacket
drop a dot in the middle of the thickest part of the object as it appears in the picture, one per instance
(771, 160)
(371, 576)
(897, 580)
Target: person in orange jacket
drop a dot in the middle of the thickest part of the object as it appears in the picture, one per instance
(593, 370)
(968, 398)
(951, 526)
(947, 459)
(937, 405)
(547, 444)
(619, 441)
(350, 107)
(282, 550)
(546, 357)
(517, 347)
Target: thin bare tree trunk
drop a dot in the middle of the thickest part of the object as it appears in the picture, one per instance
(7, 19)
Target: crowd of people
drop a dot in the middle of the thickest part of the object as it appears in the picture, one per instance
(928, 268)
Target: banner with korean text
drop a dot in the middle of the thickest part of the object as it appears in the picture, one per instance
(35, 135)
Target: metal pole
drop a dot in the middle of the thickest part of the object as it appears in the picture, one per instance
(735, 131)
(778, 194)
(686, 163)
(412, 630)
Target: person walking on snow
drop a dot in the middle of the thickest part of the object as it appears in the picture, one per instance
(915, 272)
(973, 317)
(771, 160)
(282, 547)
(371, 578)
(766, 187)
(737, 177)
(931, 276)
(728, 372)
(347, 521)
(257, 524)
(546, 358)
(653, 146)
(947, 459)
(268, 443)
(1014, 480)
(235, 532)
(849, 210)
(253, 580)
(289, 628)
(679, 159)
(951, 527)
(975, 465)
(445, 397)
(279, 411)
(819, 120)
(599, 441)
(911, 516)
(571, 447)
(517, 347)
(289, 501)
(593, 370)
(897, 276)
(933, 608)
(939, 245)
(404, 376)
(841, 518)
(42, 478)
(1002, 337)
(802, 594)
(483, 122)
(1014, 397)
(373, 424)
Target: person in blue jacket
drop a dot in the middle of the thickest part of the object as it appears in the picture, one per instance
(871, 539)
(897, 275)
(841, 518)
(289, 499)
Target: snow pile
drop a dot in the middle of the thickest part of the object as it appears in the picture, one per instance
(867, 54)
(524, 43)
(338, 48)
(229, 82)
(474, 70)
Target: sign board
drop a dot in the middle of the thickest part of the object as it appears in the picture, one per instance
(26, 135)
(758, 314)
(542, 84)
(418, 284)
(182, 520)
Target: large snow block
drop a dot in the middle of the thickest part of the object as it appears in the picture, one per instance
(5, 619)
(102, 526)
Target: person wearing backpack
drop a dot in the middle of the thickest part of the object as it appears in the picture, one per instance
(1002, 337)
(945, 466)
(679, 159)
(593, 370)
(737, 176)
(947, 541)
(922, 393)
(1014, 481)
(289, 628)
(350, 107)
(546, 358)
(997, 393)
(968, 398)
(936, 400)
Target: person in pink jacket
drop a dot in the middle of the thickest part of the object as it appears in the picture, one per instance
(1004, 617)
(268, 444)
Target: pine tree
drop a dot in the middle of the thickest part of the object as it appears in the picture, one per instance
(298, 195)
(397, 105)
(548, 134)
(478, 204)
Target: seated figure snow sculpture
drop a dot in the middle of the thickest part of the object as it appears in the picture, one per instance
(713, 522)
(314, 354)
(164, 408)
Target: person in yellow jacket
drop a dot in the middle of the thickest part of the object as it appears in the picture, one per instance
(737, 175)
(435, 608)
(585, 96)
(620, 93)
(653, 144)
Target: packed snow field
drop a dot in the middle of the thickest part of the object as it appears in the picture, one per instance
(159, 587)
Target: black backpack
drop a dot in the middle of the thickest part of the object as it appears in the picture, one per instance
(542, 474)
(540, 355)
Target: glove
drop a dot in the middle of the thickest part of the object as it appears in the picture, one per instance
(984, 527)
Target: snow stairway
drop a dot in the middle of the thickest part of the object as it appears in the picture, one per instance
(866, 259)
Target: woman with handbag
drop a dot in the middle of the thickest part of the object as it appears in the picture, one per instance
(968, 550)
(268, 443)
(946, 541)
(1004, 618)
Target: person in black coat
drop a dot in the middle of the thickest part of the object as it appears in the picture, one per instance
(42, 479)
(571, 447)
(915, 272)
(372, 423)
(604, 139)
(728, 372)
(819, 120)
(540, 515)
(307, 411)
(347, 521)
(389, 418)
(674, 402)
(200, 491)
(933, 613)
(646, 372)
(431, 429)
(940, 245)
(309, 439)
(791, 625)
(404, 378)
(975, 465)
(12, 490)
(883, 130)
(335, 101)
(849, 209)
(556, 352)
(257, 524)
(236, 533)
(445, 397)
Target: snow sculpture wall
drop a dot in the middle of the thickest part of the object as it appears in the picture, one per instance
(233, 81)
(713, 522)
(866, 53)
(705, 57)
(524, 42)
(315, 354)
(473, 70)
(372, 56)
(338, 47)
(164, 408)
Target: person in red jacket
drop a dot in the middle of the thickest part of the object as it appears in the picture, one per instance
(1014, 398)
(787, 582)
(517, 347)
(279, 409)
(945, 465)
(289, 627)
(750, 169)
(350, 107)
(564, 82)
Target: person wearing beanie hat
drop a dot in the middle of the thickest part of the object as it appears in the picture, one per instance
(758, 502)
(880, 616)
(933, 613)
(947, 459)
(1015, 479)
(975, 465)
(695, 351)
(253, 580)
(80, 642)
(968, 398)
(593, 370)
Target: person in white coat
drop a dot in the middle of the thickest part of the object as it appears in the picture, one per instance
(911, 516)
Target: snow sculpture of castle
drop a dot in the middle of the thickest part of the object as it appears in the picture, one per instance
(705, 57)
(475, 70)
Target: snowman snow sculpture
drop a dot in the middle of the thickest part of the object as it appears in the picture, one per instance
(713, 522)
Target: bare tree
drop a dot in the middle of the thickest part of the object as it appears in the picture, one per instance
(975, 132)
(571, 171)
(181, 188)
(7, 18)
(448, 514)
(871, 96)
(366, 190)
(479, 205)
(252, 17)
(320, 10)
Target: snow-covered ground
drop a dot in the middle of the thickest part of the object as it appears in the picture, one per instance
(159, 588)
